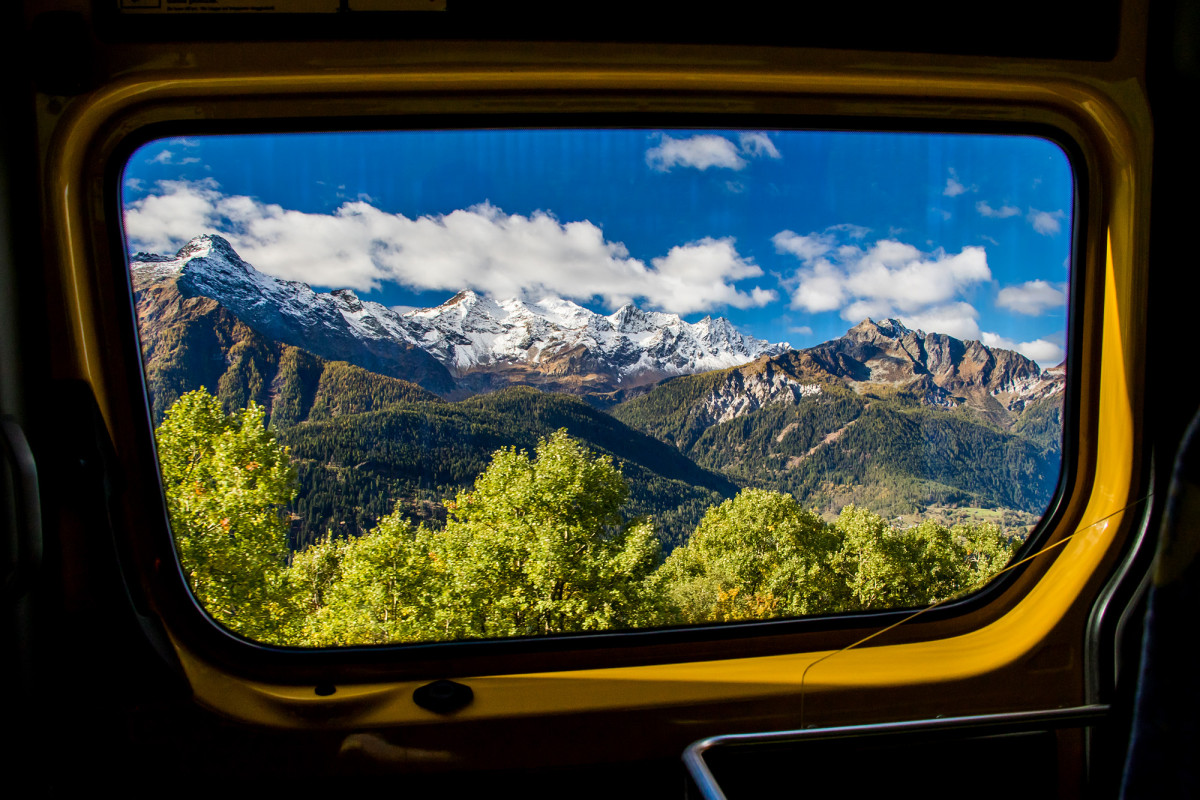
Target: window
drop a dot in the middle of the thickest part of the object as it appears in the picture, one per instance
(592, 696)
(449, 385)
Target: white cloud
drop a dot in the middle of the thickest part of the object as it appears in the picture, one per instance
(696, 277)
(957, 319)
(168, 157)
(1033, 298)
(853, 231)
(706, 150)
(955, 187)
(164, 221)
(1043, 351)
(912, 280)
(822, 288)
(806, 248)
(1045, 222)
(888, 278)
(700, 152)
(757, 144)
(359, 246)
(801, 330)
(1004, 212)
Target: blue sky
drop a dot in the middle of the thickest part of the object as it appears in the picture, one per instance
(793, 235)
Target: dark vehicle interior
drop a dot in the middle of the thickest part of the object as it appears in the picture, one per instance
(1039, 685)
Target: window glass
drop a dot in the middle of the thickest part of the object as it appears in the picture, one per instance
(436, 385)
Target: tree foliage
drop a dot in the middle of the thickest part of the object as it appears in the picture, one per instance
(548, 530)
(540, 544)
(761, 555)
(758, 555)
(373, 589)
(226, 480)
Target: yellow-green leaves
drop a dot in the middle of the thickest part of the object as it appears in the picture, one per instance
(226, 480)
(760, 555)
(539, 545)
(374, 589)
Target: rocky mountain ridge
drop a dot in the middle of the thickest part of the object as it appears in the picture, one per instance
(883, 416)
(873, 357)
(473, 344)
(470, 343)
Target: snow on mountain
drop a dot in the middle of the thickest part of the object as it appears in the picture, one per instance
(553, 339)
(938, 369)
(470, 331)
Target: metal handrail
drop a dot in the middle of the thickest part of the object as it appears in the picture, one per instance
(693, 756)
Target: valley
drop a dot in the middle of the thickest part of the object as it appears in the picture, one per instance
(383, 410)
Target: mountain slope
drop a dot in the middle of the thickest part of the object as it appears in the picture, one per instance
(894, 419)
(287, 312)
(354, 469)
(364, 441)
(189, 342)
(469, 344)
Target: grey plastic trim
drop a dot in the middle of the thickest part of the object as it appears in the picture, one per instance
(1093, 657)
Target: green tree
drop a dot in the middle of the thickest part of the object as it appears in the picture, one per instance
(540, 546)
(889, 568)
(226, 480)
(373, 589)
(757, 556)
(313, 572)
(761, 555)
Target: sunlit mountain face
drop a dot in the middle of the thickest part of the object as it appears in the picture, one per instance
(481, 344)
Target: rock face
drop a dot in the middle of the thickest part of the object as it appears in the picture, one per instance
(773, 380)
(470, 343)
(334, 326)
(937, 369)
(942, 370)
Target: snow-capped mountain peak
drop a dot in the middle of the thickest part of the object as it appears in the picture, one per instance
(483, 342)
(471, 332)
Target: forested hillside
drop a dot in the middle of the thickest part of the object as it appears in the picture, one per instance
(896, 421)
(879, 447)
(539, 544)
(354, 469)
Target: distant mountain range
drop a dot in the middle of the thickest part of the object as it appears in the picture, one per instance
(894, 419)
(467, 345)
(936, 369)
(381, 407)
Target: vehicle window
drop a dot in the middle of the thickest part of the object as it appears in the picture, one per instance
(438, 385)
